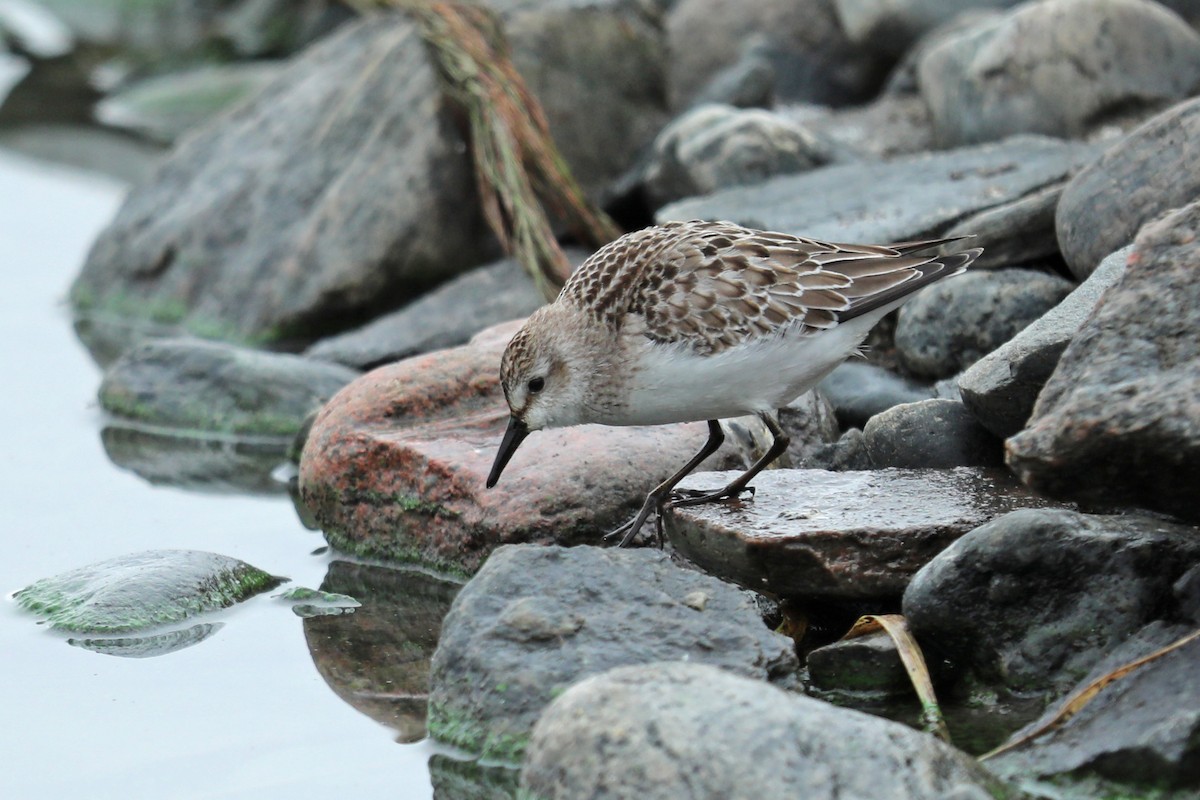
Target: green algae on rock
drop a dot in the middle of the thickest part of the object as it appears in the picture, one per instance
(138, 591)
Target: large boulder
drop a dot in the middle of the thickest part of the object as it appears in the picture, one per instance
(1119, 420)
(893, 25)
(1060, 67)
(342, 186)
(664, 731)
(1152, 170)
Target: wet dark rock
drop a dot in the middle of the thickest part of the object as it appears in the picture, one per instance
(1119, 420)
(1020, 232)
(647, 731)
(1152, 170)
(165, 107)
(377, 659)
(144, 590)
(395, 464)
(1141, 732)
(599, 71)
(1032, 601)
(1061, 68)
(952, 324)
(343, 186)
(875, 202)
(221, 464)
(811, 57)
(1001, 388)
(837, 535)
(456, 779)
(218, 388)
(536, 620)
(889, 126)
(494, 293)
(893, 25)
(848, 453)
(865, 666)
(859, 390)
(934, 433)
(748, 82)
(715, 147)
(1187, 594)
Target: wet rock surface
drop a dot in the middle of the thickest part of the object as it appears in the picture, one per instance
(1139, 732)
(1054, 68)
(865, 665)
(646, 731)
(935, 433)
(1001, 388)
(1030, 602)
(394, 465)
(535, 620)
(955, 322)
(1119, 420)
(875, 202)
(1136, 180)
(218, 388)
(837, 535)
(267, 238)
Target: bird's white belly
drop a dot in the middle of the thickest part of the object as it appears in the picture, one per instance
(673, 384)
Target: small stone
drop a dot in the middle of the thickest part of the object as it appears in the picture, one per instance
(952, 324)
(849, 453)
(933, 433)
(864, 665)
(859, 390)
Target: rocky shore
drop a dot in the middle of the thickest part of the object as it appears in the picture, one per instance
(1014, 466)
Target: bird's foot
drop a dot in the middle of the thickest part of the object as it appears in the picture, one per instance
(629, 531)
(695, 497)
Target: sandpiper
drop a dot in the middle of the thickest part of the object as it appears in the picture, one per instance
(702, 320)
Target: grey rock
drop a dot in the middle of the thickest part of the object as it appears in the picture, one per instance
(33, 30)
(1001, 388)
(903, 80)
(599, 71)
(1032, 601)
(867, 666)
(165, 107)
(811, 57)
(1152, 170)
(848, 453)
(217, 388)
(157, 27)
(139, 591)
(897, 200)
(263, 28)
(894, 25)
(342, 185)
(860, 390)
(935, 433)
(535, 620)
(688, 730)
(1060, 67)
(715, 147)
(1020, 232)
(1187, 594)
(448, 316)
(810, 424)
(889, 126)
(1119, 420)
(951, 325)
(1140, 731)
(837, 535)
(748, 82)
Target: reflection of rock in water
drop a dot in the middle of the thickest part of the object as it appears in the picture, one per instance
(377, 659)
(193, 462)
(158, 644)
(466, 780)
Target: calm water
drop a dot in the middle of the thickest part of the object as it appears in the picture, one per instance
(244, 713)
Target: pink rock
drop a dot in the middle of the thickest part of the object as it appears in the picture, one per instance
(394, 466)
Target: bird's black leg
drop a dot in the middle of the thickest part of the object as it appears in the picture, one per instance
(738, 485)
(654, 500)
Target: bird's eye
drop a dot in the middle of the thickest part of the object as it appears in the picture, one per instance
(536, 385)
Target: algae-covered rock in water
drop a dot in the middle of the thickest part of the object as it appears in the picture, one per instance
(142, 590)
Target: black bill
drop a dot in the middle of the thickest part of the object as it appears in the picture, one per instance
(516, 433)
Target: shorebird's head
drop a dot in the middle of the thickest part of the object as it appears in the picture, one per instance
(544, 386)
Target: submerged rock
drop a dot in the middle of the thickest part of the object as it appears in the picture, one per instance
(218, 388)
(879, 202)
(1032, 601)
(646, 731)
(1119, 420)
(535, 620)
(143, 590)
(837, 535)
